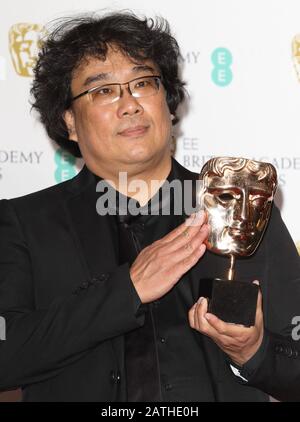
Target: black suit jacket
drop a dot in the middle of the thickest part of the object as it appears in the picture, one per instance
(67, 303)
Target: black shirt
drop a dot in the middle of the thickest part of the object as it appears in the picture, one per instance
(180, 362)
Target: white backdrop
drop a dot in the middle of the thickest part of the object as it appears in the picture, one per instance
(240, 73)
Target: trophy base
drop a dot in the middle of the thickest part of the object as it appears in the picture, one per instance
(232, 301)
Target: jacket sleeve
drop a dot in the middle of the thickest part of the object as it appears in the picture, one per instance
(275, 368)
(279, 371)
(41, 342)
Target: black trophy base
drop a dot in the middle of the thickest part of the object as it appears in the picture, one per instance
(232, 301)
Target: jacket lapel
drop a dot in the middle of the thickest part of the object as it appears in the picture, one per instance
(95, 236)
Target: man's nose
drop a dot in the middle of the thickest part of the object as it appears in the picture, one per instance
(128, 104)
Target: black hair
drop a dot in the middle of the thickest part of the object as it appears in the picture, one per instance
(85, 36)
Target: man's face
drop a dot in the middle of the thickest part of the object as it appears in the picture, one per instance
(128, 133)
(238, 206)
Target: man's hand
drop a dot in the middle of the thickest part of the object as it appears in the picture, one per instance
(238, 342)
(160, 265)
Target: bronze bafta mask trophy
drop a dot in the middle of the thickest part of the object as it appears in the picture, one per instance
(237, 196)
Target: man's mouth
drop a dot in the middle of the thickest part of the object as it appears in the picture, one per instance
(134, 131)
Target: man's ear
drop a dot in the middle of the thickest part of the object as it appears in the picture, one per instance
(70, 123)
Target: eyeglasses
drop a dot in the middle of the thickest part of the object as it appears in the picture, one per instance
(144, 86)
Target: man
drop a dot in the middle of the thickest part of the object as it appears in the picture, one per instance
(101, 307)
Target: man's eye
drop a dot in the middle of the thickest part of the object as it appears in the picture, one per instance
(225, 197)
(142, 84)
(104, 91)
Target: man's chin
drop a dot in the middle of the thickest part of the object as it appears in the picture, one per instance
(142, 155)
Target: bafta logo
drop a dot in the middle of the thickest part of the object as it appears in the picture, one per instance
(296, 54)
(24, 43)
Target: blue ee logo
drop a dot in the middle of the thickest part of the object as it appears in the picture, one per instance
(65, 166)
(222, 60)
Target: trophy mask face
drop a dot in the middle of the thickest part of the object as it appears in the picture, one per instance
(237, 196)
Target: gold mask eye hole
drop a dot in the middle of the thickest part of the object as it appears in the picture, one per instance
(225, 197)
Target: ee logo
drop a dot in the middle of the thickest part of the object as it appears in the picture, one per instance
(222, 60)
(65, 165)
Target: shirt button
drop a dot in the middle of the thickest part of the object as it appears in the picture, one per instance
(288, 352)
(115, 377)
(168, 387)
(162, 340)
(156, 303)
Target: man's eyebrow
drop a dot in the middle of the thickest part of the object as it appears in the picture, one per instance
(143, 68)
(96, 78)
(105, 76)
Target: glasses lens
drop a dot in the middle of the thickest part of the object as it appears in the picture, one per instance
(144, 87)
(140, 87)
(105, 94)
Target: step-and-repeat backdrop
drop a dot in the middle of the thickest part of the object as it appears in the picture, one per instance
(241, 62)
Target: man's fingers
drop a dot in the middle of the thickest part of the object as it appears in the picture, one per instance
(190, 259)
(181, 248)
(187, 229)
(191, 315)
(189, 245)
(180, 230)
(225, 328)
(172, 256)
(210, 325)
(200, 322)
(259, 297)
(201, 309)
(259, 311)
